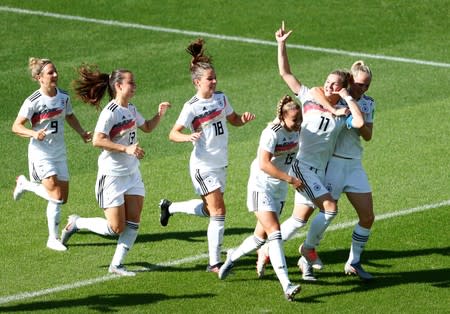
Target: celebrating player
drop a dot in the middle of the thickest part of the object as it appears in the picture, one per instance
(267, 189)
(345, 173)
(320, 129)
(205, 115)
(119, 188)
(46, 109)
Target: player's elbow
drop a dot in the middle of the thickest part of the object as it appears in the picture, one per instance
(367, 137)
(358, 123)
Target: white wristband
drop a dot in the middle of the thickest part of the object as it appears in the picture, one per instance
(348, 98)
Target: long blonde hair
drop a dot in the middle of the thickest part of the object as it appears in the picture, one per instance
(360, 66)
(36, 65)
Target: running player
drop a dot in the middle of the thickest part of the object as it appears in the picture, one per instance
(345, 173)
(46, 110)
(119, 189)
(205, 115)
(320, 129)
(267, 189)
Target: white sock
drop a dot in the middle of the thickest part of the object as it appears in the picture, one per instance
(277, 258)
(360, 237)
(191, 207)
(317, 228)
(53, 219)
(215, 233)
(290, 227)
(125, 242)
(39, 190)
(97, 225)
(250, 244)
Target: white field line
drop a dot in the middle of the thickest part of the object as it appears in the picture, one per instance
(218, 36)
(187, 260)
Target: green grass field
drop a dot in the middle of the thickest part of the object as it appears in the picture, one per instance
(404, 42)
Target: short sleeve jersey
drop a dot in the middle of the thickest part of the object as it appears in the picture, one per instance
(348, 142)
(45, 112)
(319, 132)
(120, 124)
(210, 117)
(283, 145)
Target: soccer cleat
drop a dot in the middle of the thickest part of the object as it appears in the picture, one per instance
(165, 214)
(69, 229)
(55, 244)
(225, 269)
(311, 257)
(120, 270)
(356, 269)
(19, 188)
(213, 268)
(263, 260)
(306, 269)
(291, 291)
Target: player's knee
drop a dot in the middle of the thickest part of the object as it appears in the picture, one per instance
(367, 220)
(117, 228)
(219, 211)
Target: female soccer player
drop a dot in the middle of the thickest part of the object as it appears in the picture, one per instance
(320, 129)
(267, 189)
(345, 173)
(46, 109)
(206, 115)
(119, 188)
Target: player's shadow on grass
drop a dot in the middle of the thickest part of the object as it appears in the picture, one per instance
(188, 236)
(101, 303)
(370, 257)
(437, 278)
(382, 260)
(333, 273)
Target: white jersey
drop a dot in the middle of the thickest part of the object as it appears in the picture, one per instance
(283, 145)
(45, 112)
(120, 125)
(319, 132)
(348, 144)
(210, 117)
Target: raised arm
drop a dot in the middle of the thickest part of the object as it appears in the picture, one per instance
(319, 95)
(240, 119)
(358, 119)
(151, 124)
(283, 63)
